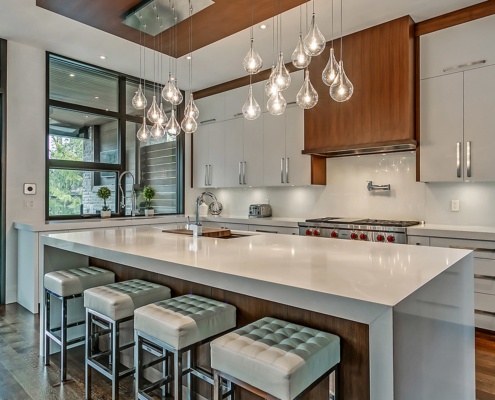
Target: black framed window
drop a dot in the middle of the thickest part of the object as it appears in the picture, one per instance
(91, 140)
(3, 163)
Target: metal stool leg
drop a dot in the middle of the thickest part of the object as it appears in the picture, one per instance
(115, 360)
(47, 327)
(137, 364)
(191, 364)
(217, 387)
(177, 375)
(63, 341)
(88, 351)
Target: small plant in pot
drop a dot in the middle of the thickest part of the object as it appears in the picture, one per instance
(148, 195)
(104, 193)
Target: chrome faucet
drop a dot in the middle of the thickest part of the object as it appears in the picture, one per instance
(123, 198)
(197, 228)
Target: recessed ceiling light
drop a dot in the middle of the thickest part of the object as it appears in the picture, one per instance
(86, 116)
(96, 97)
(188, 57)
(72, 75)
(263, 26)
(103, 57)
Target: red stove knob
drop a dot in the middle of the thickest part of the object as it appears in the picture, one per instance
(354, 236)
(316, 232)
(334, 234)
(390, 239)
(363, 236)
(309, 232)
(380, 238)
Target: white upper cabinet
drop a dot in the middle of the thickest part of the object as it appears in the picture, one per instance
(200, 157)
(274, 149)
(234, 156)
(298, 165)
(209, 155)
(253, 152)
(211, 109)
(453, 49)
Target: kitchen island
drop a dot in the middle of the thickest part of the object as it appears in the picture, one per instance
(404, 313)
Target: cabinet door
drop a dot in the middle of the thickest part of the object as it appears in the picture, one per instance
(479, 124)
(441, 152)
(234, 155)
(216, 153)
(200, 156)
(298, 165)
(253, 152)
(211, 108)
(274, 149)
(234, 100)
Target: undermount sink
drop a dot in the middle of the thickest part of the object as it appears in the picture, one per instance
(234, 236)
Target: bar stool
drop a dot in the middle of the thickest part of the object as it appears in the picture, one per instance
(64, 286)
(274, 359)
(177, 326)
(107, 307)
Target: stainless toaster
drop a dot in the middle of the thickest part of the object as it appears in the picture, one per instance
(260, 210)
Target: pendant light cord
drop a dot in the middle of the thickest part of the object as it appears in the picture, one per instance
(332, 24)
(341, 34)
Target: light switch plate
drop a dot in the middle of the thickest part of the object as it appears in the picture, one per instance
(454, 205)
(30, 188)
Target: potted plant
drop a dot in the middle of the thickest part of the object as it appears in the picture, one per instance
(148, 194)
(104, 193)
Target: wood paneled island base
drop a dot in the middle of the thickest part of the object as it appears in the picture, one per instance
(354, 366)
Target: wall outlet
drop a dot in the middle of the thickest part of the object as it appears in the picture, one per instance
(454, 205)
(30, 188)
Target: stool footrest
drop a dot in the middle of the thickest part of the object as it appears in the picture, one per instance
(157, 384)
(154, 362)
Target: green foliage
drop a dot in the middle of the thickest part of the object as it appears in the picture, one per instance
(65, 189)
(104, 193)
(148, 194)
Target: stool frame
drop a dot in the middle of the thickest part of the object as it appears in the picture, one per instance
(50, 333)
(165, 354)
(218, 393)
(110, 327)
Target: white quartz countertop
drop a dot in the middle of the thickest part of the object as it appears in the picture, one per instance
(270, 221)
(453, 231)
(370, 272)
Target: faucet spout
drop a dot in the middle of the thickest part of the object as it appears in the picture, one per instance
(197, 227)
(123, 198)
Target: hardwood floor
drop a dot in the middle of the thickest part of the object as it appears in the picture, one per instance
(23, 376)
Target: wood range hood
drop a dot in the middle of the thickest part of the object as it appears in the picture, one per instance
(380, 116)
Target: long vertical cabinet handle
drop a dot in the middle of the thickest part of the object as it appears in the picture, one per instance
(206, 175)
(282, 170)
(287, 170)
(468, 159)
(244, 172)
(458, 159)
(240, 179)
(210, 175)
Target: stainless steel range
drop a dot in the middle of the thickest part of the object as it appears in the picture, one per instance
(370, 230)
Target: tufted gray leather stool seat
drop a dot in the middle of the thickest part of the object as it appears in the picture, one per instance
(177, 326)
(65, 285)
(278, 358)
(107, 307)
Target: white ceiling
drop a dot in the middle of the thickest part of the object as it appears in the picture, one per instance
(22, 21)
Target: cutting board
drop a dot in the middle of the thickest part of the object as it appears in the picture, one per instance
(208, 232)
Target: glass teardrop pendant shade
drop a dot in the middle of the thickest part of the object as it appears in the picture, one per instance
(314, 41)
(143, 133)
(154, 111)
(331, 70)
(252, 62)
(191, 109)
(162, 119)
(157, 131)
(169, 89)
(139, 100)
(307, 97)
(282, 77)
(251, 109)
(270, 87)
(276, 104)
(342, 89)
(172, 127)
(189, 124)
(299, 57)
(177, 95)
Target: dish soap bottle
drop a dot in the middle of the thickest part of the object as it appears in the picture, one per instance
(203, 209)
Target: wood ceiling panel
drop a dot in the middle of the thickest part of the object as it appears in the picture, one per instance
(216, 22)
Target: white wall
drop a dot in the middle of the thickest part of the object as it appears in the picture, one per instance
(25, 145)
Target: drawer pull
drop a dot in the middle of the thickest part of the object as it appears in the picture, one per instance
(482, 249)
(261, 230)
(487, 277)
(208, 120)
(490, 313)
(469, 64)
(237, 115)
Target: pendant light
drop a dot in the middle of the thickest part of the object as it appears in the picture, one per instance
(139, 101)
(172, 128)
(162, 119)
(191, 112)
(299, 57)
(251, 109)
(276, 104)
(314, 41)
(282, 77)
(143, 133)
(157, 131)
(307, 97)
(331, 70)
(252, 62)
(270, 87)
(154, 111)
(342, 88)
